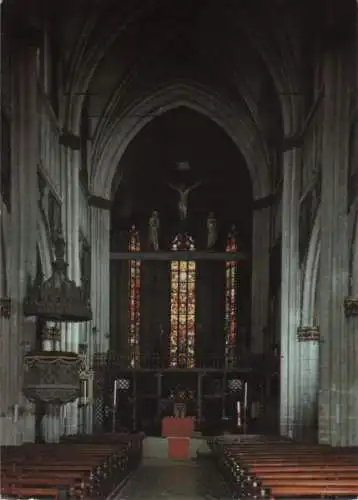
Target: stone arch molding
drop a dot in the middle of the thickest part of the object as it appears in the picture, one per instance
(135, 118)
(310, 277)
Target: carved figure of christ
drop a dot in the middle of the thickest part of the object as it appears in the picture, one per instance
(183, 197)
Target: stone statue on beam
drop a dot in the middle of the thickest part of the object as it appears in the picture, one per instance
(154, 225)
(184, 198)
(212, 230)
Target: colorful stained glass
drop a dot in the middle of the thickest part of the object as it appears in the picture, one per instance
(182, 306)
(134, 300)
(231, 296)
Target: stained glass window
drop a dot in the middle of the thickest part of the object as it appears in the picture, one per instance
(134, 300)
(182, 306)
(231, 296)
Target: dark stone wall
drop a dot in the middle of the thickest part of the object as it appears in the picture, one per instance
(155, 307)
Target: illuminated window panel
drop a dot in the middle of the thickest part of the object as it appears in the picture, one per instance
(182, 307)
(231, 299)
(134, 300)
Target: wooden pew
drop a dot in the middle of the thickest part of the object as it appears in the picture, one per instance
(269, 469)
(76, 468)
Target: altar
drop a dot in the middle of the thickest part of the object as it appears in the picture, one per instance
(178, 432)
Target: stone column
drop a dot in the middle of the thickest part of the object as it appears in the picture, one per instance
(351, 302)
(307, 381)
(351, 310)
(22, 258)
(70, 165)
(290, 293)
(334, 249)
(100, 228)
(5, 317)
(260, 277)
(100, 296)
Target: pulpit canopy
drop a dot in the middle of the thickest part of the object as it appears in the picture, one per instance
(58, 298)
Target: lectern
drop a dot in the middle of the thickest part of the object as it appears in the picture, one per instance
(178, 431)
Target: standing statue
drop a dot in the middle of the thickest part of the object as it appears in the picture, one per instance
(233, 233)
(183, 198)
(154, 225)
(212, 230)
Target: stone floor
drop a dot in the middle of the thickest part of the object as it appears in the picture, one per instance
(194, 480)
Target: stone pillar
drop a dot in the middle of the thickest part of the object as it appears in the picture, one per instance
(260, 278)
(100, 296)
(290, 293)
(334, 358)
(22, 258)
(100, 228)
(70, 166)
(308, 378)
(351, 310)
(351, 302)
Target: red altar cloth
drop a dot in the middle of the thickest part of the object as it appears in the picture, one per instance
(178, 448)
(177, 427)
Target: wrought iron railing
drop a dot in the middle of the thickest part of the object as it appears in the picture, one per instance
(245, 362)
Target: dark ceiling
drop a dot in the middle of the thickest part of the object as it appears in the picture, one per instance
(150, 164)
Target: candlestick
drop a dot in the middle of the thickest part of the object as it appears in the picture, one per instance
(115, 393)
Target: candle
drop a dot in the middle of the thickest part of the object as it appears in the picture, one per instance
(16, 413)
(115, 393)
(245, 396)
(238, 412)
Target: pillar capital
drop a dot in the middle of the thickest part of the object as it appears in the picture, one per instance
(351, 306)
(308, 334)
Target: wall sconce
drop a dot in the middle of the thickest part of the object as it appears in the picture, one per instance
(5, 307)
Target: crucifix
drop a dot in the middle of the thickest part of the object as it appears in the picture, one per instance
(183, 198)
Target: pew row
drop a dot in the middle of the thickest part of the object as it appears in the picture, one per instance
(76, 468)
(282, 469)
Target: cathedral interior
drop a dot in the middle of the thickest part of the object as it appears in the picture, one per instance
(178, 221)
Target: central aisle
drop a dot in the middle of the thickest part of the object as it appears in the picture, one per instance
(194, 480)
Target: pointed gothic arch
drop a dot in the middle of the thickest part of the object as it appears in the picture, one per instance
(109, 151)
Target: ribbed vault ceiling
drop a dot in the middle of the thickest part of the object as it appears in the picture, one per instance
(246, 52)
